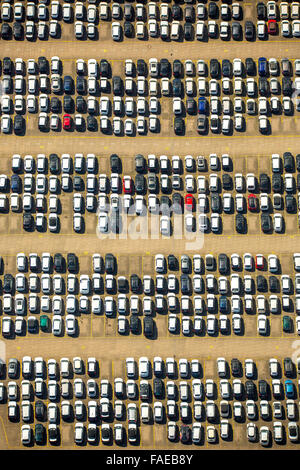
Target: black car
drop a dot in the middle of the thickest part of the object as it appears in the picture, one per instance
(223, 263)
(5, 31)
(288, 367)
(263, 86)
(226, 68)
(114, 163)
(80, 104)
(104, 68)
(290, 203)
(188, 31)
(277, 183)
(152, 183)
(213, 10)
(185, 284)
(68, 84)
(80, 85)
(135, 283)
(215, 203)
(110, 263)
(172, 263)
(236, 31)
(261, 11)
(32, 325)
(273, 284)
(177, 87)
(298, 162)
(7, 66)
(128, 29)
(287, 86)
(176, 12)
(185, 434)
(236, 368)
(250, 390)
(158, 388)
(177, 68)
(165, 68)
(40, 410)
(264, 183)
(8, 283)
(91, 123)
(141, 67)
(277, 202)
(140, 163)
(54, 163)
(148, 327)
(27, 221)
(224, 409)
(250, 66)
(117, 85)
(288, 162)
(227, 181)
(214, 68)
(128, 12)
(55, 104)
(43, 65)
(263, 389)
(134, 324)
(72, 262)
(261, 283)
(140, 184)
(191, 107)
(178, 126)
(202, 124)
(78, 183)
(39, 434)
(18, 124)
(240, 223)
(249, 30)
(210, 263)
(266, 223)
(145, 391)
(189, 14)
(18, 31)
(68, 104)
(58, 263)
(53, 433)
(177, 203)
(16, 183)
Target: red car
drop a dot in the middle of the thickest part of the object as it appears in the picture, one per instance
(67, 122)
(252, 203)
(189, 202)
(127, 184)
(259, 262)
(272, 27)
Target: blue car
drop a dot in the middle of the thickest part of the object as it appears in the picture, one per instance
(15, 184)
(289, 389)
(223, 304)
(202, 105)
(262, 66)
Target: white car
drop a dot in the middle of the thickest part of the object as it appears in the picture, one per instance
(116, 31)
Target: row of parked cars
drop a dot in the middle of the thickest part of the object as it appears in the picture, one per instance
(198, 264)
(244, 396)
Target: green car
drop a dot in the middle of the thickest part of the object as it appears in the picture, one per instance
(287, 324)
(44, 322)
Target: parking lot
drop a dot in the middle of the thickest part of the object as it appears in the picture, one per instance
(250, 151)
